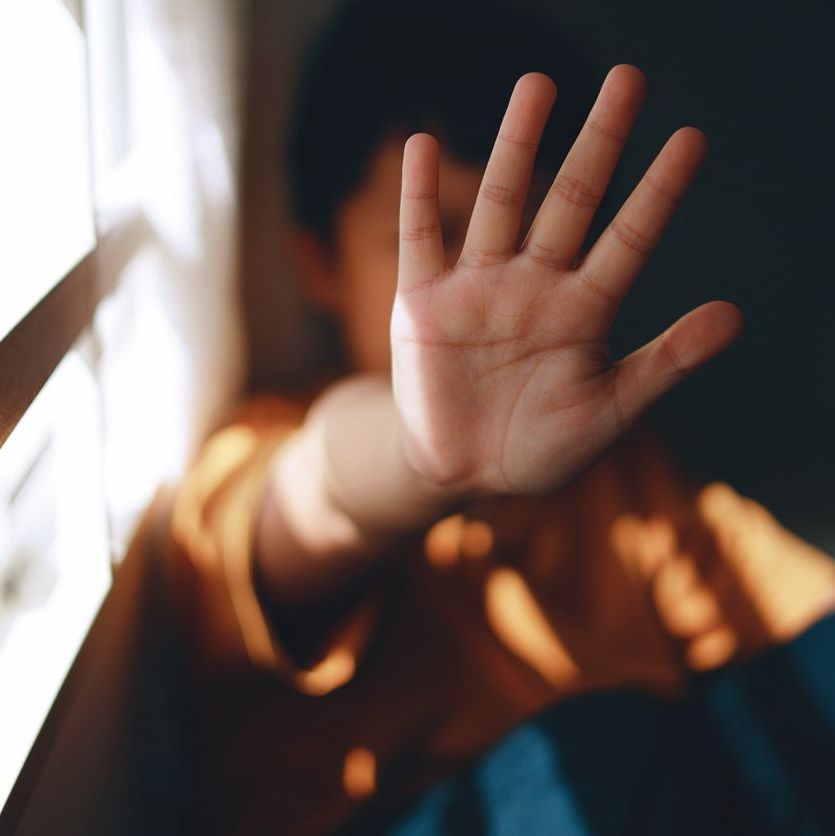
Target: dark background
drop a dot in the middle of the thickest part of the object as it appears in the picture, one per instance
(755, 228)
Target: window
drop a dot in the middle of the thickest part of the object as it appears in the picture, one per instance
(44, 152)
(54, 568)
(54, 543)
(117, 259)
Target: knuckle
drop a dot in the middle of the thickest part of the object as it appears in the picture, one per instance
(420, 232)
(598, 128)
(481, 258)
(420, 195)
(631, 237)
(576, 192)
(670, 353)
(526, 144)
(661, 189)
(501, 194)
(594, 286)
(546, 256)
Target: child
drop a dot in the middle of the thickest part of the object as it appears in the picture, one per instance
(387, 573)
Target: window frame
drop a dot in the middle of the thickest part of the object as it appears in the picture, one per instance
(32, 350)
(30, 353)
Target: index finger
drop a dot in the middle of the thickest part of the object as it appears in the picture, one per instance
(421, 257)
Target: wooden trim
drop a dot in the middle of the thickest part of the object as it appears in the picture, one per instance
(33, 348)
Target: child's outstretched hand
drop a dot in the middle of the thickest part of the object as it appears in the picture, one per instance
(501, 369)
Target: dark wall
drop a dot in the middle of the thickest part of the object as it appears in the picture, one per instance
(755, 228)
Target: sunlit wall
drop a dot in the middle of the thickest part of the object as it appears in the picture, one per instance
(169, 336)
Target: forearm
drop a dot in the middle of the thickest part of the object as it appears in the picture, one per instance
(340, 491)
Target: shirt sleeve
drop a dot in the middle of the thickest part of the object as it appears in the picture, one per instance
(213, 529)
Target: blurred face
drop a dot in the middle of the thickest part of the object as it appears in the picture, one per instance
(358, 282)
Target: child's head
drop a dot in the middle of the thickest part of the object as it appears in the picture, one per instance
(380, 71)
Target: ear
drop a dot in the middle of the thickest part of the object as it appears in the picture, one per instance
(315, 266)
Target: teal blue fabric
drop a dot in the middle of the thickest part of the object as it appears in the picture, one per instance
(750, 749)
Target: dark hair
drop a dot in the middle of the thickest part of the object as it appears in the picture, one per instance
(442, 66)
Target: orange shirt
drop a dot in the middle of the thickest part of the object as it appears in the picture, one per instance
(459, 633)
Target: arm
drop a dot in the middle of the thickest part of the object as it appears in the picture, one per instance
(501, 376)
(340, 490)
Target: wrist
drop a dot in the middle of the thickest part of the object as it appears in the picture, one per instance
(366, 472)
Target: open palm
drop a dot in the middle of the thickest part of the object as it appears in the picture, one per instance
(501, 370)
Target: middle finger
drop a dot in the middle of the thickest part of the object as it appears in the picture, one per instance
(563, 220)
